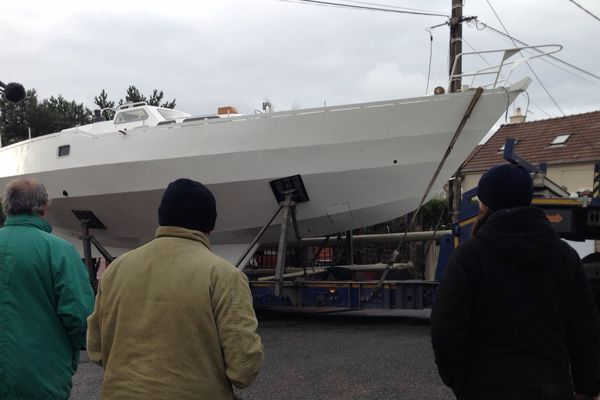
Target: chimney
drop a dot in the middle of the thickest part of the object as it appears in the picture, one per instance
(517, 117)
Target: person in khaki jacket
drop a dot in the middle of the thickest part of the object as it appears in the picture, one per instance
(172, 320)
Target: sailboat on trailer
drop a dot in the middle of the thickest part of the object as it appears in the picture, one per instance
(360, 164)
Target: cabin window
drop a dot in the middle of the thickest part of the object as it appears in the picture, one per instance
(167, 113)
(560, 139)
(131, 116)
(64, 151)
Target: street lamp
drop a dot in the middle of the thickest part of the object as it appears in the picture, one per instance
(13, 92)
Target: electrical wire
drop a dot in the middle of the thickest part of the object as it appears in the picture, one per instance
(510, 39)
(589, 12)
(497, 17)
(520, 42)
(395, 9)
(390, 6)
(583, 136)
(360, 7)
(490, 65)
(526, 62)
(504, 37)
(540, 109)
(480, 55)
(475, 51)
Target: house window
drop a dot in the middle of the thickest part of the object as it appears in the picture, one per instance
(560, 139)
(131, 116)
(64, 151)
(171, 114)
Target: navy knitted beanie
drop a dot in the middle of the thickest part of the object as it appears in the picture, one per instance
(505, 186)
(188, 204)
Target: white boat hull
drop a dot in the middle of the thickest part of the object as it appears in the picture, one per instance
(361, 164)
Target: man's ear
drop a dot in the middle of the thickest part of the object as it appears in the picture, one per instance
(44, 208)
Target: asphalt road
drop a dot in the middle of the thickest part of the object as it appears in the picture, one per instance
(330, 357)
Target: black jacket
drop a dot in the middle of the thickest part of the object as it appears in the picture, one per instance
(514, 315)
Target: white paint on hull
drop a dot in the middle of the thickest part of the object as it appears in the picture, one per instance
(361, 164)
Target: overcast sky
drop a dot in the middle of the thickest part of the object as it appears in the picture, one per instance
(240, 52)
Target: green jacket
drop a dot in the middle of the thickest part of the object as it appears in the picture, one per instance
(45, 297)
(174, 321)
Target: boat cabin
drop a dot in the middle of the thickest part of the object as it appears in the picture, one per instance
(140, 114)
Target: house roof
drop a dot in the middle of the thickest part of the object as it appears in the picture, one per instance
(534, 142)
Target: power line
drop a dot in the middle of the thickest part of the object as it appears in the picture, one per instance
(520, 42)
(584, 137)
(479, 54)
(504, 37)
(526, 62)
(499, 20)
(369, 8)
(541, 109)
(490, 65)
(578, 5)
(391, 6)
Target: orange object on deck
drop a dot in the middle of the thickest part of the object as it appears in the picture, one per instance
(226, 110)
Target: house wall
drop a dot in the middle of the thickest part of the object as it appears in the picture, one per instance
(572, 176)
(470, 181)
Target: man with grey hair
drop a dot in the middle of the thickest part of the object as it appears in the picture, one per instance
(45, 298)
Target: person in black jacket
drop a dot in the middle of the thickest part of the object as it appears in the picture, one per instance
(514, 316)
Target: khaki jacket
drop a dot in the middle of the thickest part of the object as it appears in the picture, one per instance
(174, 321)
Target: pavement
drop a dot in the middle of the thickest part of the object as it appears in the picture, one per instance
(87, 380)
(331, 357)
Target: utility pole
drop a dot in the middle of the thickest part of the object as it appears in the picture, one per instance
(456, 42)
(455, 183)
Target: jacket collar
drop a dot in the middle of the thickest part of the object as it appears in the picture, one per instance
(34, 221)
(179, 232)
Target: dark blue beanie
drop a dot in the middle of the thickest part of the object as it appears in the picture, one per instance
(505, 186)
(188, 204)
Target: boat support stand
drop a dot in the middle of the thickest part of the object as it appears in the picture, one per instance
(288, 207)
(89, 240)
(289, 192)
